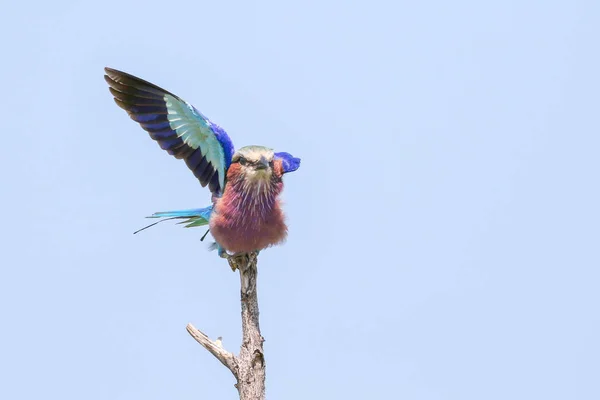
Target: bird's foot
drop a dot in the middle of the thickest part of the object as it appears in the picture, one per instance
(222, 252)
(237, 259)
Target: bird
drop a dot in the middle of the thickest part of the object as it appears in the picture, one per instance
(246, 214)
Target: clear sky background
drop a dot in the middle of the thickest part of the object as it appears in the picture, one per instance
(444, 226)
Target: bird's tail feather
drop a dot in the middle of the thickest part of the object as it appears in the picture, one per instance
(193, 217)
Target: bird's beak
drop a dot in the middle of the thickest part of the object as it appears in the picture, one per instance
(263, 163)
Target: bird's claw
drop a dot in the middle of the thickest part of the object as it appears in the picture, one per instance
(222, 252)
(239, 258)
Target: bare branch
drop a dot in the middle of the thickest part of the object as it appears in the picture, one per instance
(249, 366)
(251, 360)
(215, 348)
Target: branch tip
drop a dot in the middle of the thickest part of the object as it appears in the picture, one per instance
(215, 348)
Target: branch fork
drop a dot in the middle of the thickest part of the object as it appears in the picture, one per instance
(249, 366)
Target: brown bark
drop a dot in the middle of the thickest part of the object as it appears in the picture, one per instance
(249, 366)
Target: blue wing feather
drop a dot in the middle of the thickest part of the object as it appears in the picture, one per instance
(177, 126)
(289, 162)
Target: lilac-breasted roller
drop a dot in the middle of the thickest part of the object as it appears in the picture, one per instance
(246, 213)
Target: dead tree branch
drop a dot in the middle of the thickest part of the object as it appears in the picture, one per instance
(249, 366)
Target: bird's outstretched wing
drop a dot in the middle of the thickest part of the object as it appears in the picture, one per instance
(176, 125)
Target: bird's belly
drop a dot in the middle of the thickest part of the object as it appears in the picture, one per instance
(242, 233)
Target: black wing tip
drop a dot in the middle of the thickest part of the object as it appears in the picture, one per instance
(123, 78)
(115, 73)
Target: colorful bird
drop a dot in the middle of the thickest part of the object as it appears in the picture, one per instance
(245, 214)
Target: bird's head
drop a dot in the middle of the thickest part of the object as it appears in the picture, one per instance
(256, 163)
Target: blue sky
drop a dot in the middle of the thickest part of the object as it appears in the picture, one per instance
(444, 225)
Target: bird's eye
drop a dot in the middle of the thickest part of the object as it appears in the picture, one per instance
(243, 161)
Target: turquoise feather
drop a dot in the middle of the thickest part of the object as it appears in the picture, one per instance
(196, 131)
(194, 217)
